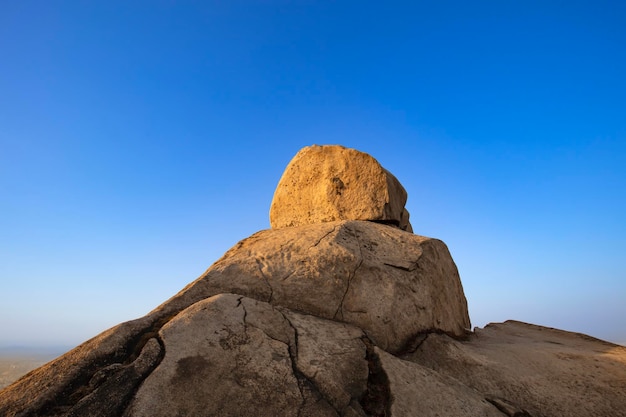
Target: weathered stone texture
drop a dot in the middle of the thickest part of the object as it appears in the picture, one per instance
(332, 356)
(330, 183)
(420, 391)
(539, 370)
(392, 284)
(224, 356)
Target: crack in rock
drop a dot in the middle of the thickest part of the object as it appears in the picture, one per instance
(116, 364)
(339, 310)
(245, 315)
(304, 382)
(288, 275)
(247, 324)
(376, 401)
(414, 344)
(106, 384)
(507, 407)
(411, 268)
(293, 356)
(323, 237)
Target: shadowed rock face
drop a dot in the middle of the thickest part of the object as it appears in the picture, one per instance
(335, 318)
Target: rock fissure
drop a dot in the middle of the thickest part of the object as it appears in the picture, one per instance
(323, 237)
(304, 382)
(293, 357)
(248, 324)
(420, 338)
(413, 267)
(286, 277)
(376, 400)
(506, 407)
(153, 332)
(90, 378)
(114, 387)
(394, 223)
(245, 316)
(339, 310)
(414, 344)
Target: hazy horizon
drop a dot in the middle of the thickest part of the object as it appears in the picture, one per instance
(140, 141)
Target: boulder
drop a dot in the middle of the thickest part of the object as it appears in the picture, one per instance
(230, 355)
(224, 356)
(330, 183)
(391, 284)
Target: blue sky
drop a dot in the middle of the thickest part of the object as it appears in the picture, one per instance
(139, 140)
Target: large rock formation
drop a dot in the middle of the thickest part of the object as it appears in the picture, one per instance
(333, 317)
(390, 283)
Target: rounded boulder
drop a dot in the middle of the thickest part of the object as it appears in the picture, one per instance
(330, 183)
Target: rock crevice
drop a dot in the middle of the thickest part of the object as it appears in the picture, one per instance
(377, 399)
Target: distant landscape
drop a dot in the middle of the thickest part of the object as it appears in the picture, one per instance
(18, 361)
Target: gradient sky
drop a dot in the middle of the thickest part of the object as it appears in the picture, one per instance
(139, 140)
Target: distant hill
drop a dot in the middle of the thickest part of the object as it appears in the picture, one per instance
(16, 361)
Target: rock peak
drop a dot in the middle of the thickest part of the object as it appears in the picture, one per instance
(336, 317)
(330, 183)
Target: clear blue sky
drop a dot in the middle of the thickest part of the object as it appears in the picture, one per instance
(139, 140)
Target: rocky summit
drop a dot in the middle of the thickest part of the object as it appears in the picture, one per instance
(337, 310)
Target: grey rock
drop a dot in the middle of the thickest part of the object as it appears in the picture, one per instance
(333, 356)
(527, 369)
(224, 356)
(56, 387)
(114, 386)
(230, 355)
(419, 391)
